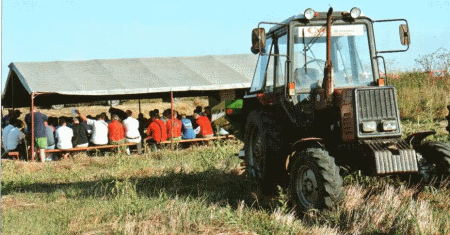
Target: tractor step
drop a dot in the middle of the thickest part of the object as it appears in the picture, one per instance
(241, 154)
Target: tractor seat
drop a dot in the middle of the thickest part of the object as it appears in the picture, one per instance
(305, 79)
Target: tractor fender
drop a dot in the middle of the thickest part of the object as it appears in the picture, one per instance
(301, 145)
(305, 143)
(416, 138)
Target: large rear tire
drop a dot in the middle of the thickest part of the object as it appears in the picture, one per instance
(315, 180)
(265, 157)
(254, 155)
(437, 153)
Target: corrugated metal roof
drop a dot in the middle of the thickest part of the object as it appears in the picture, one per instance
(137, 76)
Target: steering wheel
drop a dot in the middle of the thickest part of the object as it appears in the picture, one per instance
(315, 60)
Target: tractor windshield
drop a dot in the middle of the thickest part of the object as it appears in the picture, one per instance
(349, 54)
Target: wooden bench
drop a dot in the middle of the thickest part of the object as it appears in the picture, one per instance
(88, 148)
(15, 155)
(199, 139)
(194, 140)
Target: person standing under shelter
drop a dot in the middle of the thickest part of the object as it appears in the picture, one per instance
(99, 128)
(40, 137)
(116, 132)
(131, 126)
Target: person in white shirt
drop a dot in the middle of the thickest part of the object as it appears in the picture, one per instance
(14, 138)
(131, 126)
(7, 129)
(99, 128)
(64, 136)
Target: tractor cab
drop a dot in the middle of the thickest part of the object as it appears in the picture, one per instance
(322, 70)
(294, 53)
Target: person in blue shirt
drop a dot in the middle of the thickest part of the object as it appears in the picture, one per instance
(186, 128)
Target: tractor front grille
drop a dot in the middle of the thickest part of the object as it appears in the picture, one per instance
(376, 104)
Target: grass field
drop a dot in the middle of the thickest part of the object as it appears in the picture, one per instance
(199, 191)
(202, 190)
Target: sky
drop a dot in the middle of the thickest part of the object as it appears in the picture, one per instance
(37, 31)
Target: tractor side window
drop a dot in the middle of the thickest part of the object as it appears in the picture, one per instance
(270, 73)
(280, 79)
(261, 68)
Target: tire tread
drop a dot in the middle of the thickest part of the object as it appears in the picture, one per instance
(328, 173)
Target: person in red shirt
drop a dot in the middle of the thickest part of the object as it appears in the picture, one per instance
(204, 124)
(154, 129)
(116, 131)
(173, 126)
(162, 125)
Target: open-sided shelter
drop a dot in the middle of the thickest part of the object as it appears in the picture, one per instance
(60, 82)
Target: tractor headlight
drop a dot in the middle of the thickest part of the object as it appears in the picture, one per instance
(369, 126)
(309, 13)
(389, 125)
(355, 12)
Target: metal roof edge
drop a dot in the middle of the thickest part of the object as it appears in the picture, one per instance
(158, 90)
(20, 76)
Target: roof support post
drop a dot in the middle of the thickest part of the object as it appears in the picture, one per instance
(171, 114)
(33, 153)
(12, 90)
(139, 105)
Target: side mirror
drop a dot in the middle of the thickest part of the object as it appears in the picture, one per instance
(258, 40)
(405, 39)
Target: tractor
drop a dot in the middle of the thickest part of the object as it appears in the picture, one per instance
(317, 102)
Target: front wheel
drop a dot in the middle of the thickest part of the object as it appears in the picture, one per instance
(315, 180)
(437, 153)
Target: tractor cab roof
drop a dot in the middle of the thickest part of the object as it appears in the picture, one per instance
(311, 15)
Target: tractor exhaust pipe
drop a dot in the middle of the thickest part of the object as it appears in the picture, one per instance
(448, 121)
(328, 80)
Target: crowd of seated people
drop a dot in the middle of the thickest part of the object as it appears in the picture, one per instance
(83, 131)
(67, 132)
(166, 127)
